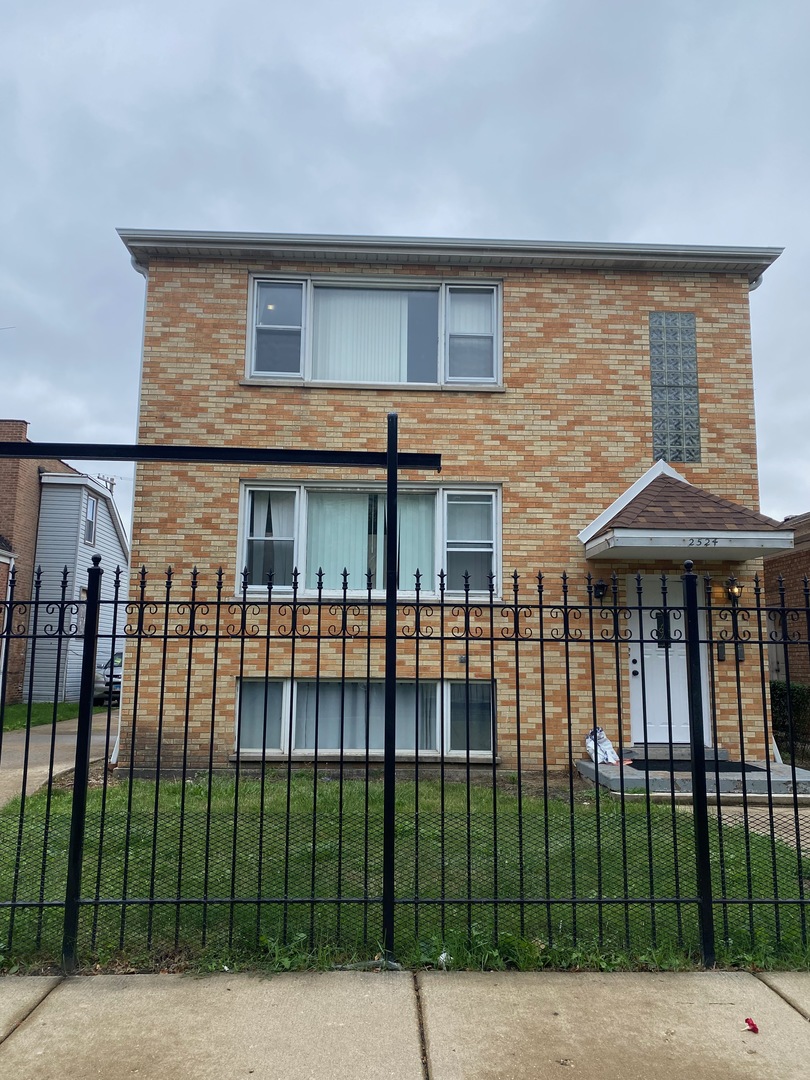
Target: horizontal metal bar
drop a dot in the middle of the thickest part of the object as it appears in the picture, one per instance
(546, 901)
(408, 901)
(215, 455)
(251, 901)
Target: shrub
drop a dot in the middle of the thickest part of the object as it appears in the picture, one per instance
(790, 702)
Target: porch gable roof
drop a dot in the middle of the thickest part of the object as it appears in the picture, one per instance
(662, 515)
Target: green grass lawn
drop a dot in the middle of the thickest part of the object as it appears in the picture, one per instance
(554, 852)
(15, 717)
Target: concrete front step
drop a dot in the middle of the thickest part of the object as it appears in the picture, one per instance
(678, 752)
(625, 777)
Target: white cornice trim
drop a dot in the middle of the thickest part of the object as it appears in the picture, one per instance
(144, 244)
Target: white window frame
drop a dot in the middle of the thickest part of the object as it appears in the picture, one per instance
(311, 283)
(90, 519)
(289, 708)
(428, 590)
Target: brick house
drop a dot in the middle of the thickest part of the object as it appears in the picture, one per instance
(19, 520)
(54, 518)
(793, 567)
(593, 405)
(6, 563)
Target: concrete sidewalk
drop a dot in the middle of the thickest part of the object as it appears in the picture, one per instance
(434, 1025)
(51, 751)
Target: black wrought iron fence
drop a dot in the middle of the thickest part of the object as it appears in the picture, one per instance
(248, 785)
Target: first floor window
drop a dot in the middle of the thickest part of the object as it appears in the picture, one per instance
(325, 532)
(330, 715)
(271, 536)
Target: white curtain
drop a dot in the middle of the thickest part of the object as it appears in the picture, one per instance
(337, 537)
(331, 705)
(271, 536)
(260, 699)
(417, 530)
(349, 705)
(407, 720)
(470, 311)
(469, 518)
(272, 514)
(360, 335)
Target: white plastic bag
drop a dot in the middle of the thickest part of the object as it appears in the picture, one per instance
(600, 748)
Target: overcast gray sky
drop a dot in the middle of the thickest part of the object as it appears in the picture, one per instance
(592, 120)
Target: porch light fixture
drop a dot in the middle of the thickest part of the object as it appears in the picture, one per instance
(599, 590)
(734, 590)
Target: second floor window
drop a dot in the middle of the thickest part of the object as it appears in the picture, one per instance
(90, 515)
(377, 334)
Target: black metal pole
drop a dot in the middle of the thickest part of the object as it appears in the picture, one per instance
(700, 808)
(82, 766)
(390, 742)
(224, 455)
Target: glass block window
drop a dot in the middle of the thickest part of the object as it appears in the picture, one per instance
(673, 366)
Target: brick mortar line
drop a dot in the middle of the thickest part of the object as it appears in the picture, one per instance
(33, 1009)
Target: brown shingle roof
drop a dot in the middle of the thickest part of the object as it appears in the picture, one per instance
(667, 503)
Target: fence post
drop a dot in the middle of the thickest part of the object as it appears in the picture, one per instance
(700, 807)
(82, 766)
(390, 741)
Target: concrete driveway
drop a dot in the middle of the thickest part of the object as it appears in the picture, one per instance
(47, 740)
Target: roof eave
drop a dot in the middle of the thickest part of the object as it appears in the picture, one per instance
(146, 244)
(720, 545)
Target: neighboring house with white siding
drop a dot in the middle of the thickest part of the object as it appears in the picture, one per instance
(77, 519)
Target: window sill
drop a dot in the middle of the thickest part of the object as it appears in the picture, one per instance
(376, 757)
(283, 594)
(465, 388)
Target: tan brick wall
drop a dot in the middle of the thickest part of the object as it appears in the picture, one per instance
(569, 432)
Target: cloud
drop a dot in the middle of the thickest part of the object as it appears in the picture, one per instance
(581, 121)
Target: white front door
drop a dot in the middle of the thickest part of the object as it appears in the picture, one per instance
(659, 705)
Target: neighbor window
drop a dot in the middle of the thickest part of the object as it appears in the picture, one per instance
(330, 531)
(673, 368)
(375, 333)
(90, 516)
(350, 716)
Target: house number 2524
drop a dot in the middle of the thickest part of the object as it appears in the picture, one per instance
(702, 541)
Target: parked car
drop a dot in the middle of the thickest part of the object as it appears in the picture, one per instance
(108, 680)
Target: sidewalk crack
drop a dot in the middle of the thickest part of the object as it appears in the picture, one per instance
(788, 1000)
(420, 1019)
(19, 1023)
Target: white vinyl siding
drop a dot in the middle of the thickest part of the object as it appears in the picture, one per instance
(60, 544)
